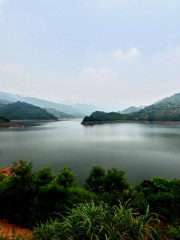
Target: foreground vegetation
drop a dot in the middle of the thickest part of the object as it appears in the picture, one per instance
(108, 208)
(165, 110)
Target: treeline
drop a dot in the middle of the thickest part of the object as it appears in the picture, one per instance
(24, 111)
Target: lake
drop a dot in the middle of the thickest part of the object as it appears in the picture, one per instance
(142, 150)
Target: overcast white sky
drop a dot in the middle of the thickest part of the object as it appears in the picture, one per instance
(110, 52)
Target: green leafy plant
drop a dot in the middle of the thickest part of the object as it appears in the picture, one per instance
(95, 182)
(91, 221)
(174, 232)
(66, 178)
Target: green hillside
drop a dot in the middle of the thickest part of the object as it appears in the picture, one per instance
(2, 105)
(59, 114)
(166, 110)
(25, 111)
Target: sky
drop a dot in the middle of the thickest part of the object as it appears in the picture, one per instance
(114, 53)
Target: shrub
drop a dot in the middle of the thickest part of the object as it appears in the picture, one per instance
(44, 176)
(66, 178)
(174, 232)
(96, 180)
(115, 183)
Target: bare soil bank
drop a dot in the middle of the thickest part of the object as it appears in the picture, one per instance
(6, 171)
(10, 230)
(146, 122)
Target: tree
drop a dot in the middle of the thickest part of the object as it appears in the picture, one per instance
(44, 176)
(96, 179)
(17, 193)
(115, 181)
(22, 173)
(66, 178)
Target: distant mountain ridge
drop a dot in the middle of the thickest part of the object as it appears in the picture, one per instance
(87, 108)
(59, 115)
(25, 111)
(131, 109)
(166, 110)
(43, 104)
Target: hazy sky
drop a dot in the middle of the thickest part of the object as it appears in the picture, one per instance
(119, 52)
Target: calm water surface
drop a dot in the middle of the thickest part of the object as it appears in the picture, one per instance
(142, 150)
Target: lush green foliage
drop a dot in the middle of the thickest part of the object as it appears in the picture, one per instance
(99, 221)
(174, 232)
(163, 196)
(96, 180)
(165, 110)
(59, 114)
(113, 182)
(29, 198)
(66, 178)
(44, 176)
(25, 111)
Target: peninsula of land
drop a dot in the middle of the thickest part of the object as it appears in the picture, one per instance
(166, 111)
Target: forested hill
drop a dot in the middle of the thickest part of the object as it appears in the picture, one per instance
(77, 112)
(167, 110)
(25, 111)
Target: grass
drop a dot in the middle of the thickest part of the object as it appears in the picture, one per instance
(100, 222)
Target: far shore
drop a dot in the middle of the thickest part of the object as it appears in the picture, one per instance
(37, 120)
(10, 124)
(30, 120)
(15, 123)
(68, 119)
(145, 122)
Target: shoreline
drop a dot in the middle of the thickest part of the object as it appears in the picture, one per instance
(15, 123)
(10, 124)
(68, 119)
(145, 122)
(24, 121)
